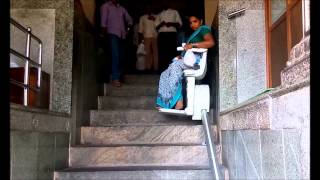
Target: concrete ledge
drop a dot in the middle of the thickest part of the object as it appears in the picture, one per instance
(297, 72)
(253, 115)
(34, 119)
(281, 108)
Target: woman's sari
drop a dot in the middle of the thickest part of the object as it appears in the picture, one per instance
(170, 84)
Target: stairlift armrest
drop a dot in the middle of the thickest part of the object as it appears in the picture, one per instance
(200, 50)
(189, 73)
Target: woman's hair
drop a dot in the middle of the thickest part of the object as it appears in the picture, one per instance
(197, 16)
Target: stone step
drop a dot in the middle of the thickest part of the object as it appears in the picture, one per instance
(135, 102)
(144, 135)
(136, 173)
(137, 117)
(138, 156)
(131, 90)
(141, 79)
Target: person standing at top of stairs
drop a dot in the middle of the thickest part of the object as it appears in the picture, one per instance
(114, 19)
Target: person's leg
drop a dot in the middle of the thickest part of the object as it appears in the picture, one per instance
(155, 53)
(179, 105)
(122, 51)
(114, 45)
(147, 47)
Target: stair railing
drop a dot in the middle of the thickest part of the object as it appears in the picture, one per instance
(26, 58)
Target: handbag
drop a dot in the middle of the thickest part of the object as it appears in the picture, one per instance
(189, 58)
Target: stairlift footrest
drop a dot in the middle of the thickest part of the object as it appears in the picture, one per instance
(172, 111)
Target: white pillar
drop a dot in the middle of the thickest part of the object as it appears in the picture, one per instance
(306, 17)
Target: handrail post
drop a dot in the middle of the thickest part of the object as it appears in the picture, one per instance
(210, 145)
(26, 69)
(39, 68)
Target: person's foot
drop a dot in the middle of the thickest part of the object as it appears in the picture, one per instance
(116, 83)
(179, 105)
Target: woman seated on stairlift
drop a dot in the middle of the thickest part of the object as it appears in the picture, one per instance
(170, 84)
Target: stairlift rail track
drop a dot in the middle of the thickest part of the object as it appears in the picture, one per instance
(210, 145)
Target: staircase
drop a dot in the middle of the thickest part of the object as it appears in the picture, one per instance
(128, 139)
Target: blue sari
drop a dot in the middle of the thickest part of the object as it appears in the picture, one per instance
(170, 83)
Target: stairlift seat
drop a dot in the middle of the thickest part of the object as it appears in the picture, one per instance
(202, 92)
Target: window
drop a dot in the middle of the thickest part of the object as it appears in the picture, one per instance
(284, 29)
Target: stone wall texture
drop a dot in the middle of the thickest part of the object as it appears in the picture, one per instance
(242, 62)
(280, 147)
(39, 143)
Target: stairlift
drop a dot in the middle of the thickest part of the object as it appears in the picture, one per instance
(198, 96)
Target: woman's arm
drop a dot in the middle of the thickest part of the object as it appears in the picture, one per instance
(207, 42)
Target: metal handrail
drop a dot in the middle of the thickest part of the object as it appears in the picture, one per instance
(18, 83)
(27, 60)
(24, 58)
(19, 26)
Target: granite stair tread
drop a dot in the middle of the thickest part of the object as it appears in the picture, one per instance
(138, 155)
(134, 168)
(136, 117)
(158, 135)
(136, 145)
(141, 79)
(188, 174)
(130, 90)
(125, 102)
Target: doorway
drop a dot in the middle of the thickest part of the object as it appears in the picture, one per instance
(136, 9)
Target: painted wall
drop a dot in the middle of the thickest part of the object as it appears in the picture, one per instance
(211, 7)
(242, 61)
(89, 8)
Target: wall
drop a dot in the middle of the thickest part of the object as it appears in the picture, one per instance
(269, 138)
(211, 6)
(89, 8)
(42, 24)
(40, 138)
(242, 61)
(62, 62)
(39, 143)
(85, 85)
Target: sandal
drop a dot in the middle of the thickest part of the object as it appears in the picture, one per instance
(116, 83)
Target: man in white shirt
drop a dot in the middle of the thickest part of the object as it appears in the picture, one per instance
(167, 23)
(148, 33)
